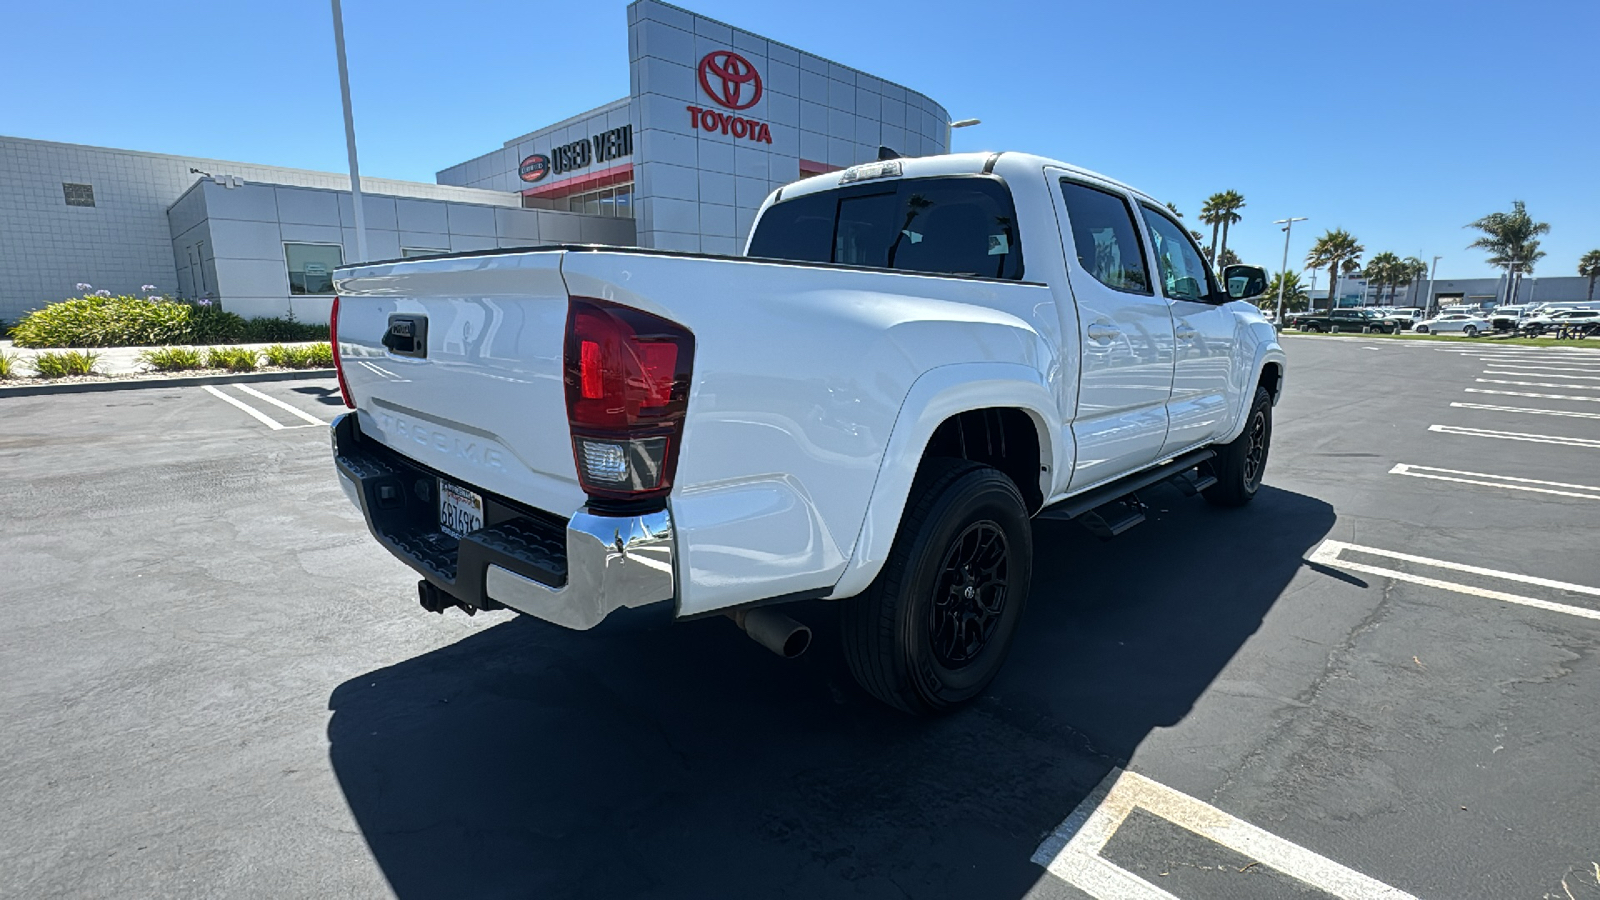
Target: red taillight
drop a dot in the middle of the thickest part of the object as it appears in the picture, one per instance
(338, 362)
(627, 385)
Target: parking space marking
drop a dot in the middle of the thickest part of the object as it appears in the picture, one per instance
(1072, 851)
(1543, 384)
(1535, 410)
(1516, 436)
(1327, 554)
(254, 413)
(1527, 394)
(1559, 366)
(260, 416)
(305, 416)
(1508, 482)
(1546, 373)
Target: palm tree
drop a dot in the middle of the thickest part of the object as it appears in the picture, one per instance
(1414, 270)
(1174, 209)
(1295, 298)
(1334, 248)
(1385, 270)
(1211, 214)
(1231, 203)
(1229, 258)
(1511, 240)
(1589, 267)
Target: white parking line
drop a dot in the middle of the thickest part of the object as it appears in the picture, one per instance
(256, 414)
(1526, 394)
(1516, 436)
(1072, 851)
(1553, 367)
(1526, 409)
(1328, 555)
(1544, 373)
(305, 416)
(1570, 387)
(1500, 481)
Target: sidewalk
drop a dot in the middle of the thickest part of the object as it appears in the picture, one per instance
(120, 360)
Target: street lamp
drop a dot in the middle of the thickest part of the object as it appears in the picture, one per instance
(959, 123)
(350, 134)
(1427, 308)
(1283, 273)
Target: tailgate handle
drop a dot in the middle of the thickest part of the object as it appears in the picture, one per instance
(407, 335)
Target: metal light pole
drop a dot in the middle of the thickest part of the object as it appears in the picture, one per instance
(1283, 273)
(350, 135)
(1427, 307)
(952, 126)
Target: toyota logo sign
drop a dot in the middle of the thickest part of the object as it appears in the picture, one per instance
(534, 167)
(724, 74)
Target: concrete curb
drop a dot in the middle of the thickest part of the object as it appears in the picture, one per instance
(128, 384)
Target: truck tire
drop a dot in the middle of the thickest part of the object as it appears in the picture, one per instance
(1240, 463)
(934, 627)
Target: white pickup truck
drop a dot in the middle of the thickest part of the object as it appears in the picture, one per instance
(912, 358)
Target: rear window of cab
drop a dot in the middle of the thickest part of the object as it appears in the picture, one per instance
(949, 226)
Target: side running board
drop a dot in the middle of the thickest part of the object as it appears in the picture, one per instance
(1113, 508)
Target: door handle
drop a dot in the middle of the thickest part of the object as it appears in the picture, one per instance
(1100, 331)
(1185, 333)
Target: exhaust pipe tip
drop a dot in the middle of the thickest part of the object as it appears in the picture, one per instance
(774, 631)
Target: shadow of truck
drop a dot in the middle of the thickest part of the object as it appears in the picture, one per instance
(530, 761)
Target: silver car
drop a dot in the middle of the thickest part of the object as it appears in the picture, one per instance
(1469, 325)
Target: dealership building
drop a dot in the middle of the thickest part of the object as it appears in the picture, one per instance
(715, 119)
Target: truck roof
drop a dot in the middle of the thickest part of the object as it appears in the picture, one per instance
(1006, 164)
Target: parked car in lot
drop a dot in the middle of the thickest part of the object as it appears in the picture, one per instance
(1567, 322)
(1341, 320)
(868, 407)
(1469, 325)
(1506, 318)
(1401, 317)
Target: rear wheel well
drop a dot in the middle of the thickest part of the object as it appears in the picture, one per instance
(1004, 438)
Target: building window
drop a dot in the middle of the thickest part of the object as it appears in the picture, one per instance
(311, 267)
(414, 252)
(615, 201)
(78, 194)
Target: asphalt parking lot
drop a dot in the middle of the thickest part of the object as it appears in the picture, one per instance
(1379, 680)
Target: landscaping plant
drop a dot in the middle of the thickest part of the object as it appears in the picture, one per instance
(234, 359)
(8, 365)
(173, 359)
(64, 364)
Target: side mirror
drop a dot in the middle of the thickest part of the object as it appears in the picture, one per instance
(1244, 282)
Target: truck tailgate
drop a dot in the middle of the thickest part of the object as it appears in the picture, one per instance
(484, 403)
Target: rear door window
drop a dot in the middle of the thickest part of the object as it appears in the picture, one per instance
(948, 226)
(1107, 245)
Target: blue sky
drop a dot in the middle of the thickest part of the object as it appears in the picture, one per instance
(1400, 121)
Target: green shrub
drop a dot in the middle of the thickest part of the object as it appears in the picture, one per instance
(319, 356)
(8, 365)
(173, 359)
(212, 325)
(284, 355)
(65, 363)
(260, 331)
(104, 322)
(234, 359)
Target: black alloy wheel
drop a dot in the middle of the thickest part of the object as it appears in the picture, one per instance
(1241, 463)
(971, 595)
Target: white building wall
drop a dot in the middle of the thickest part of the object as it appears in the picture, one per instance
(228, 241)
(124, 240)
(698, 190)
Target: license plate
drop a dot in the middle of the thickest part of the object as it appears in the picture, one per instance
(460, 510)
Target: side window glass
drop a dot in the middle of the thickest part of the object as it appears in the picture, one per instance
(1179, 265)
(1103, 234)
